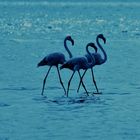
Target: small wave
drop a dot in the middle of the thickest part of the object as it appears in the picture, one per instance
(62, 4)
(4, 138)
(137, 34)
(40, 98)
(19, 88)
(18, 40)
(125, 93)
(53, 87)
(117, 93)
(4, 105)
(69, 100)
(137, 87)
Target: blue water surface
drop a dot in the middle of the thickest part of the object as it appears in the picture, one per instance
(29, 30)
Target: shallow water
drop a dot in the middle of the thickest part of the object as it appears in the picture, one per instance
(31, 30)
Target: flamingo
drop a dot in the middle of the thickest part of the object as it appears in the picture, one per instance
(78, 63)
(54, 59)
(98, 58)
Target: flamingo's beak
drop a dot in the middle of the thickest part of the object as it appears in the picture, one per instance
(104, 39)
(95, 49)
(72, 42)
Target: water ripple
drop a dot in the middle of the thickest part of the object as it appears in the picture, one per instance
(4, 105)
(62, 4)
(70, 100)
(19, 88)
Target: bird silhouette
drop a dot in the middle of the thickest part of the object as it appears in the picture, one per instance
(98, 59)
(78, 63)
(54, 59)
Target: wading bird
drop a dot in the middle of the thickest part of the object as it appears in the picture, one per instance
(98, 59)
(54, 59)
(77, 63)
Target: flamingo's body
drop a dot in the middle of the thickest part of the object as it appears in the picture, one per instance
(98, 59)
(78, 63)
(97, 56)
(54, 59)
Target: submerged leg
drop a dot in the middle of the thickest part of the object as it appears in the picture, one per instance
(81, 80)
(45, 80)
(70, 82)
(94, 80)
(83, 83)
(60, 79)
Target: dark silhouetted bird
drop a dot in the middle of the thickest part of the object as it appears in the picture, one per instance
(54, 59)
(78, 63)
(98, 59)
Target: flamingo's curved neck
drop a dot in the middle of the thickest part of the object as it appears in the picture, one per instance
(66, 47)
(104, 53)
(92, 63)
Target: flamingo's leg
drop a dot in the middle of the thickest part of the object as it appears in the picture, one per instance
(81, 80)
(94, 80)
(45, 80)
(83, 83)
(70, 82)
(60, 79)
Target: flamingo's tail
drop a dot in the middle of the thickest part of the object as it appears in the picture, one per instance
(43, 62)
(65, 65)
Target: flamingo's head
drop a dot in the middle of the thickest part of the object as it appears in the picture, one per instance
(102, 37)
(92, 45)
(70, 39)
